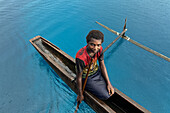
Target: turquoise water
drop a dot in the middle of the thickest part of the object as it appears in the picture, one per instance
(29, 85)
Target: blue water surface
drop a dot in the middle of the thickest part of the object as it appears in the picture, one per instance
(29, 85)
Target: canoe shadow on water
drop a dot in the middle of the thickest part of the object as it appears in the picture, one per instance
(114, 49)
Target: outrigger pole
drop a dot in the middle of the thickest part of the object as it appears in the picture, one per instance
(136, 43)
(120, 35)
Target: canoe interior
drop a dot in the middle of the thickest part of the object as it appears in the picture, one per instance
(64, 65)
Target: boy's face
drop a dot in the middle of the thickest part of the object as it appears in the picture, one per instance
(94, 45)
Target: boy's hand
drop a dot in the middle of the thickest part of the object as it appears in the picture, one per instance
(110, 89)
(80, 98)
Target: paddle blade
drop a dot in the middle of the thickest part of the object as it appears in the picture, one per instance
(75, 111)
(77, 107)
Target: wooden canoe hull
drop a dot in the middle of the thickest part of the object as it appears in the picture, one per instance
(64, 66)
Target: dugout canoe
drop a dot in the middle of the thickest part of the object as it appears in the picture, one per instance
(64, 65)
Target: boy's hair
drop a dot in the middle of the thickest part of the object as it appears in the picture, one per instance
(96, 34)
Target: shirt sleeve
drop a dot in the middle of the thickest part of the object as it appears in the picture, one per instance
(101, 57)
(80, 65)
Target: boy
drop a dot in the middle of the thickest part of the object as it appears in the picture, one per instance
(98, 82)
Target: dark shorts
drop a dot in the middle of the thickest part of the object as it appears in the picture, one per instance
(97, 86)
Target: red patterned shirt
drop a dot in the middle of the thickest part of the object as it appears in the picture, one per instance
(83, 60)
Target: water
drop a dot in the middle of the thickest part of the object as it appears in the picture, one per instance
(28, 84)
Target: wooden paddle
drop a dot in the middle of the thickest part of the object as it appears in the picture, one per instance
(84, 85)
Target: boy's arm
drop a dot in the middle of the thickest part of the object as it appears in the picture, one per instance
(80, 67)
(80, 96)
(105, 75)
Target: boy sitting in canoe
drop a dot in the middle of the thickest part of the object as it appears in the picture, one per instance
(98, 82)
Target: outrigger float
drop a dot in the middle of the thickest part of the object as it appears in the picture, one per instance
(64, 66)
